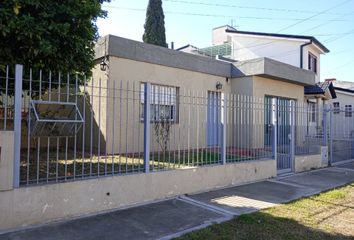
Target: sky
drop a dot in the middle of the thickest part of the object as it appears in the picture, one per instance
(192, 21)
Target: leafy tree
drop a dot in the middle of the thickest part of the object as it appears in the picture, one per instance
(55, 35)
(155, 24)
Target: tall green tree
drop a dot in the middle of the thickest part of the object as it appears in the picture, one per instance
(55, 35)
(155, 24)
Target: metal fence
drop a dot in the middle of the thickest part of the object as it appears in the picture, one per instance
(341, 133)
(69, 127)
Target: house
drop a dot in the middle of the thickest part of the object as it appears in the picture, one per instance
(342, 121)
(296, 50)
(188, 78)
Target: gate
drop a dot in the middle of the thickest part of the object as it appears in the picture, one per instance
(281, 131)
(341, 135)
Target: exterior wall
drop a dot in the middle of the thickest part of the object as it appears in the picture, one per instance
(97, 100)
(307, 162)
(35, 205)
(343, 127)
(6, 160)
(190, 84)
(219, 36)
(310, 162)
(270, 87)
(313, 50)
(250, 47)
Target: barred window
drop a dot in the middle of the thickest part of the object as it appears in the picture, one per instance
(164, 103)
(348, 110)
(336, 108)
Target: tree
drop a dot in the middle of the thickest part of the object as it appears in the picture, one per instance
(55, 35)
(155, 24)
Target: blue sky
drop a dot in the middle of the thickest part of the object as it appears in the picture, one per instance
(191, 22)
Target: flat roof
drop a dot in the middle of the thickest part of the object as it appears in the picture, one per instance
(138, 51)
(125, 48)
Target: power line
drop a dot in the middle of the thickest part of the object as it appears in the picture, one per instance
(315, 15)
(215, 15)
(322, 24)
(246, 7)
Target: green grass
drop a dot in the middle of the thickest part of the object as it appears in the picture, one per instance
(325, 216)
(119, 164)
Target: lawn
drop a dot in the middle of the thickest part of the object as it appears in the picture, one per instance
(57, 165)
(328, 215)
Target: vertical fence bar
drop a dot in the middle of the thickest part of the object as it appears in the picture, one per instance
(330, 137)
(325, 124)
(6, 97)
(223, 128)
(274, 107)
(17, 124)
(147, 92)
(292, 134)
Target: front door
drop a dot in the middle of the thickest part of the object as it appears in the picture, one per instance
(213, 118)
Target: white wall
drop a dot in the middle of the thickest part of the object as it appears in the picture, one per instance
(247, 47)
(313, 50)
(343, 126)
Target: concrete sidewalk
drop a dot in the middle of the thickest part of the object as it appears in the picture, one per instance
(172, 218)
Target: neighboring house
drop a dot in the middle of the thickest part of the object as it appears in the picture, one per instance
(182, 75)
(343, 109)
(297, 50)
(317, 96)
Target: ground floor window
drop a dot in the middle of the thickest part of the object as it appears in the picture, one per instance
(164, 103)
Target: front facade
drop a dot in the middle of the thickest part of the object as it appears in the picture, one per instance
(196, 88)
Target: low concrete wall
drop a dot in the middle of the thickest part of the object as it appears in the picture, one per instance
(308, 162)
(35, 205)
(6, 160)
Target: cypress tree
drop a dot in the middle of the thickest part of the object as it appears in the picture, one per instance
(155, 24)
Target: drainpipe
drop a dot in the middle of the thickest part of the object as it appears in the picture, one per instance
(302, 52)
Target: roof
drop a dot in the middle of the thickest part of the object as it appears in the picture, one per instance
(311, 38)
(321, 88)
(129, 49)
(186, 46)
(344, 89)
(113, 46)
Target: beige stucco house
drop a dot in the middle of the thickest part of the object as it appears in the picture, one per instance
(191, 80)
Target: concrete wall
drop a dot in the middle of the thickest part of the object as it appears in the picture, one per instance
(309, 162)
(6, 160)
(35, 205)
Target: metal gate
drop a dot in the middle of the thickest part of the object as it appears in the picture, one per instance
(341, 134)
(281, 131)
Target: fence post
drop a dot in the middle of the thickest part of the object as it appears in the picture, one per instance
(330, 137)
(17, 124)
(292, 133)
(325, 124)
(223, 129)
(274, 117)
(147, 113)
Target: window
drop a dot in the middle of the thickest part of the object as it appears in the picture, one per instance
(348, 110)
(312, 62)
(312, 112)
(336, 108)
(164, 103)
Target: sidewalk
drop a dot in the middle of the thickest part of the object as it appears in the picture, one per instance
(172, 218)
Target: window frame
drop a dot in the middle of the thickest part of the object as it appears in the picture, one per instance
(348, 110)
(336, 109)
(312, 62)
(154, 107)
